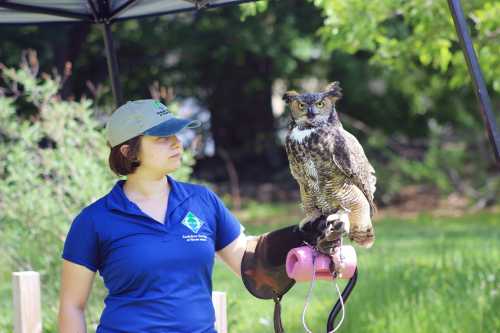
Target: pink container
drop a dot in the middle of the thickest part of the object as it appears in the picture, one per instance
(299, 263)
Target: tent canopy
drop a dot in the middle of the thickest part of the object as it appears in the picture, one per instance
(97, 11)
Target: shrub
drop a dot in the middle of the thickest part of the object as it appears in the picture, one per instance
(53, 163)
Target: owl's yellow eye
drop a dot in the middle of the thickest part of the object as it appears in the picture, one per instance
(302, 105)
(320, 104)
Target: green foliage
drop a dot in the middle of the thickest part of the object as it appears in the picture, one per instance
(400, 33)
(252, 8)
(439, 159)
(447, 159)
(54, 162)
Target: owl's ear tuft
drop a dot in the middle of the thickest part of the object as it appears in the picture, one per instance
(290, 95)
(334, 91)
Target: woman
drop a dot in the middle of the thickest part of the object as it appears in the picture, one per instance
(151, 238)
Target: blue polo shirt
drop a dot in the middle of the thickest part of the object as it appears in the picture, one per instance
(158, 275)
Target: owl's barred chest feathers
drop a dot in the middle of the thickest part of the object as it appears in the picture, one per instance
(311, 163)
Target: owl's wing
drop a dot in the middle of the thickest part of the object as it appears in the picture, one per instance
(349, 157)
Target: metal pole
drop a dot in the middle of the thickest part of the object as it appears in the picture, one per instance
(122, 8)
(112, 64)
(475, 72)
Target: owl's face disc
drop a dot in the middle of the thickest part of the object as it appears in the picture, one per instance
(311, 110)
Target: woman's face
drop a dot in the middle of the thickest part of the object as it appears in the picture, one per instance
(160, 154)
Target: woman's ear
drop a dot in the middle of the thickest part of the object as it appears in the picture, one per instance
(124, 150)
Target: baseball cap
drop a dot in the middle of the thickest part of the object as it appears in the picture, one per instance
(145, 116)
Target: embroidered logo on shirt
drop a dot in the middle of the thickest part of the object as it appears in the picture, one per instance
(192, 222)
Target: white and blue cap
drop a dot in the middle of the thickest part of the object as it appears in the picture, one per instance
(146, 117)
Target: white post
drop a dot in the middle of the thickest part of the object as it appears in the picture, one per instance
(27, 305)
(219, 300)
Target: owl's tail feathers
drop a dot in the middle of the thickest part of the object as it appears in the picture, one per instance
(373, 208)
(372, 187)
(362, 231)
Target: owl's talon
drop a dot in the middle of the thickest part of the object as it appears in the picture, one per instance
(332, 227)
(339, 223)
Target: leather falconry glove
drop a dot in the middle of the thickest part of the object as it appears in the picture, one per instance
(263, 267)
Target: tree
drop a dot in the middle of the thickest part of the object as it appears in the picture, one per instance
(417, 42)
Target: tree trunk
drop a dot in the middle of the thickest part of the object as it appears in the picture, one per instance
(242, 118)
(67, 50)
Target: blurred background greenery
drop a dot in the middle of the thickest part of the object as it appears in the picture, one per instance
(407, 97)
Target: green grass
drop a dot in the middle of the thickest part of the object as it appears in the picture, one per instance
(422, 275)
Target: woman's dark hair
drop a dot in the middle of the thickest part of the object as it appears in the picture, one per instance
(124, 165)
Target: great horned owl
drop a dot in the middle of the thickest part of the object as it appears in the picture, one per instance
(329, 163)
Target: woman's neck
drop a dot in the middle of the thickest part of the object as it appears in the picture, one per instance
(143, 187)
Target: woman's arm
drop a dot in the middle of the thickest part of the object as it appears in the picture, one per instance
(76, 284)
(232, 254)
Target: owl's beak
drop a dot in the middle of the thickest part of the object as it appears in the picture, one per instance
(310, 113)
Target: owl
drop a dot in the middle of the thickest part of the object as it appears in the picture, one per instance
(335, 178)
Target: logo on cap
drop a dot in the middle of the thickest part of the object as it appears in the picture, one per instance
(162, 109)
